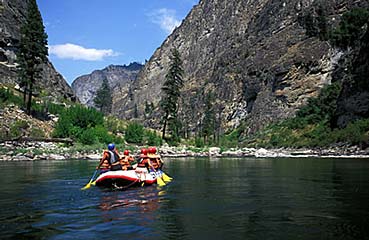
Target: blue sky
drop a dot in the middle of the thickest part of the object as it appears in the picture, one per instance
(86, 35)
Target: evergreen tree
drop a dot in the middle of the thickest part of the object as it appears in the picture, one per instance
(209, 117)
(171, 89)
(32, 52)
(103, 99)
(351, 28)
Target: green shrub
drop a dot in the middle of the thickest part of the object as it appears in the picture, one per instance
(292, 123)
(88, 137)
(17, 127)
(350, 29)
(102, 135)
(63, 128)
(199, 142)
(37, 133)
(173, 140)
(94, 135)
(74, 120)
(232, 139)
(114, 125)
(318, 136)
(7, 96)
(134, 133)
(322, 107)
(54, 108)
(153, 139)
(355, 132)
(84, 125)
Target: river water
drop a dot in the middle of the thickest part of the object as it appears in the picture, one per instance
(223, 198)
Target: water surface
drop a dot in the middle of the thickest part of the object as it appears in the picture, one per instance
(209, 199)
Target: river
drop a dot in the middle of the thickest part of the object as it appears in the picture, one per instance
(239, 198)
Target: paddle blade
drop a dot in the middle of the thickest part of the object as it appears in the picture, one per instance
(160, 181)
(166, 177)
(88, 185)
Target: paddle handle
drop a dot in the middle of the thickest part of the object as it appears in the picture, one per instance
(93, 176)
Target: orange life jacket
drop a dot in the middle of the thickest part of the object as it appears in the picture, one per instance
(143, 162)
(155, 163)
(126, 161)
(108, 158)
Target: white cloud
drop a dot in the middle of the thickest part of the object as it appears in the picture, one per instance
(76, 52)
(166, 19)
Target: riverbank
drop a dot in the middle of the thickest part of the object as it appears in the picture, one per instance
(31, 151)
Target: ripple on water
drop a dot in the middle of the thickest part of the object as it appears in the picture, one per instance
(217, 199)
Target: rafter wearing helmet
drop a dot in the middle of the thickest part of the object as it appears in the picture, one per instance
(155, 159)
(126, 161)
(110, 159)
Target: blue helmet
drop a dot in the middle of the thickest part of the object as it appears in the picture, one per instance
(111, 146)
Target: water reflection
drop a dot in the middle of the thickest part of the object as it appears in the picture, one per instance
(129, 198)
(129, 204)
(209, 198)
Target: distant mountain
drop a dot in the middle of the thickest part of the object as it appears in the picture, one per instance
(12, 16)
(119, 79)
(256, 59)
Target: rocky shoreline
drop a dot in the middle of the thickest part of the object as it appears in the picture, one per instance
(31, 151)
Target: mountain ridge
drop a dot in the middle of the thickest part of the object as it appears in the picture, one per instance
(118, 76)
(255, 57)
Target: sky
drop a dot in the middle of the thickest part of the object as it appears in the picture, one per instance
(87, 35)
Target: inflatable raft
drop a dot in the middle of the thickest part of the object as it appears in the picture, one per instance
(129, 178)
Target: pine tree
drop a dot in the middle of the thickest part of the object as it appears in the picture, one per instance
(209, 117)
(32, 52)
(103, 99)
(171, 89)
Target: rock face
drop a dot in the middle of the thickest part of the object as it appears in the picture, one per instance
(353, 103)
(12, 16)
(119, 79)
(14, 123)
(252, 56)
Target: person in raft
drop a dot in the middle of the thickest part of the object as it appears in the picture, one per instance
(126, 161)
(110, 159)
(155, 159)
(144, 163)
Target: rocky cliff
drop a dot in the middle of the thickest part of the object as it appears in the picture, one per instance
(254, 57)
(119, 79)
(353, 102)
(12, 16)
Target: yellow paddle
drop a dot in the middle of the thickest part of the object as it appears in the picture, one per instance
(160, 181)
(166, 178)
(88, 185)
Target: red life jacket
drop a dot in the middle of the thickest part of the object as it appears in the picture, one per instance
(143, 162)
